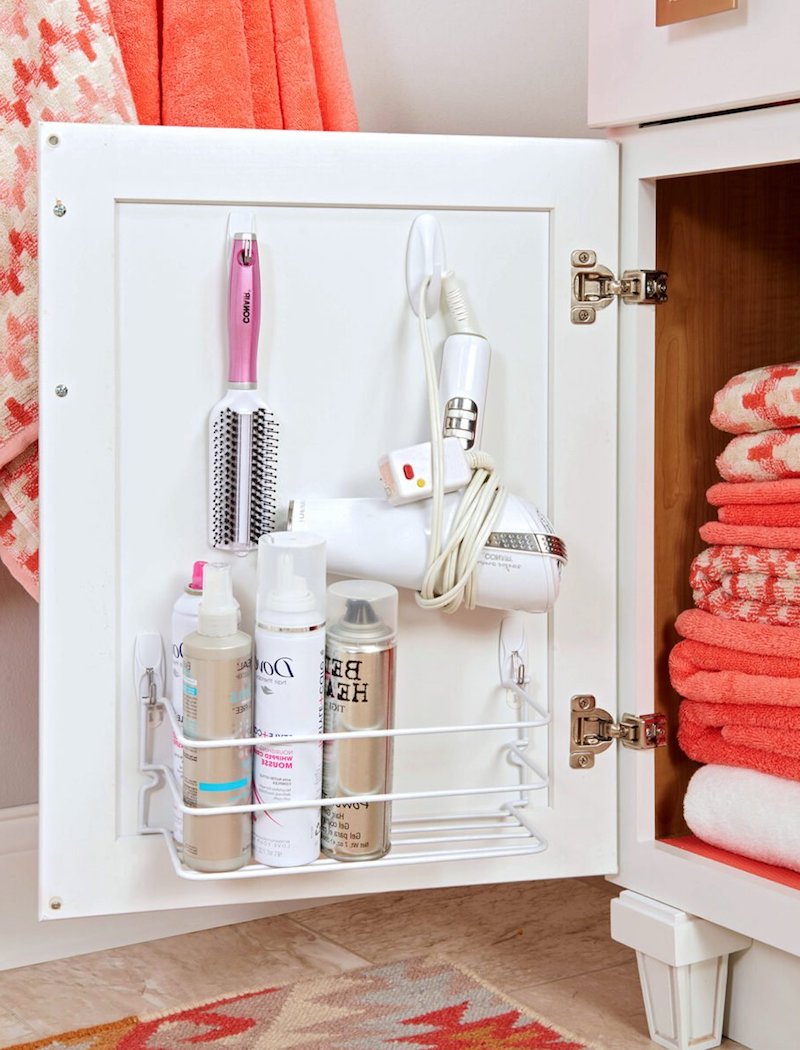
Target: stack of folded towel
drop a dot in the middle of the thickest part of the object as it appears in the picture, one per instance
(738, 666)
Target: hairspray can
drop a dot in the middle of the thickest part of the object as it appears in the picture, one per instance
(359, 694)
(217, 705)
(289, 680)
(184, 622)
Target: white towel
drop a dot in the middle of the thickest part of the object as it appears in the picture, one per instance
(754, 814)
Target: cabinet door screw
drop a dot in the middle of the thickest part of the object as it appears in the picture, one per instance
(55, 903)
(61, 390)
(59, 209)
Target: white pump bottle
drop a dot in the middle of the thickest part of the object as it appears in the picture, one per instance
(289, 683)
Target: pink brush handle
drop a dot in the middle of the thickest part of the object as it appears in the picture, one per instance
(244, 310)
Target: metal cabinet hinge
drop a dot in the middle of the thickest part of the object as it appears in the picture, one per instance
(594, 730)
(594, 286)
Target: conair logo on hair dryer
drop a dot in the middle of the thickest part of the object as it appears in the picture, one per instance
(246, 308)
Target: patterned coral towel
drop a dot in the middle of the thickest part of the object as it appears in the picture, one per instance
(761, 399)
(758, 584)
(761, 457)
(753, 736)
(692, 679)
(59, 61)
(745, 493)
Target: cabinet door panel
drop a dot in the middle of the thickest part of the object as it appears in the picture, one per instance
(133, 294)
(640, 72)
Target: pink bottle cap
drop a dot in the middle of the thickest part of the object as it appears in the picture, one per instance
(197, 576)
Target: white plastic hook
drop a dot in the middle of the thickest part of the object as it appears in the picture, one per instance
(514, 666)
(148, 666)
(513, 650)
(425, 260)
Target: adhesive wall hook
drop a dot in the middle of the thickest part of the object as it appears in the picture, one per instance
(513, 656)
(148, 666)
(425, 260)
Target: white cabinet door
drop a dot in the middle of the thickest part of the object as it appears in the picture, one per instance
(133, 292)
(640, 72)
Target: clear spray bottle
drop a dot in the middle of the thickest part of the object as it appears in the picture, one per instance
(217, 705)
(289, 681)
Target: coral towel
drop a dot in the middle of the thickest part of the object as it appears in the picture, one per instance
(761, 399)
(752, 736)
(746, 493)
(236, 63)
(59, 61)
(761, 457)
(717, 532)
(700, 656)
(755, 638)
(693, 679)
(782, 515)
(759, 584)
(746, 812)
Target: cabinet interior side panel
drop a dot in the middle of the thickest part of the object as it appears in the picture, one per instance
(730, 243)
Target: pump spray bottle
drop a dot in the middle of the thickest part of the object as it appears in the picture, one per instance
(217, 705)
(184, 621)
(289, 682)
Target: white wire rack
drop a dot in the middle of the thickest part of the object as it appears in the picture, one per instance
(506, 831)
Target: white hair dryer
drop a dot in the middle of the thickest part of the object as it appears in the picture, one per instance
(519, 567)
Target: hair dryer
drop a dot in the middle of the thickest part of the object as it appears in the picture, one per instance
(519, 567)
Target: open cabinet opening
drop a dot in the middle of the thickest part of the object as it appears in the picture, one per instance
(730, 242)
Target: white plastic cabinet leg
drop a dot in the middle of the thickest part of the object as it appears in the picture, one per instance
(683, 969)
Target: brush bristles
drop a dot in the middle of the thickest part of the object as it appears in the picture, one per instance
(263, 476)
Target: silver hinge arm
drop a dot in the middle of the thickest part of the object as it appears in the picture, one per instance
(594, 731)
(595, 286)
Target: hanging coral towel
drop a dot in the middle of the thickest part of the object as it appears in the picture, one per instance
(59, 61)
(236, 63)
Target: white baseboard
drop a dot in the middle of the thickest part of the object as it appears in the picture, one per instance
(762, 999)
(24, 940)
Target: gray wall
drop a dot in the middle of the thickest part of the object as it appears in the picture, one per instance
(471, 67)
(485, 67)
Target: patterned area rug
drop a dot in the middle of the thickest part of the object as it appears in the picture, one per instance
(425, 1003)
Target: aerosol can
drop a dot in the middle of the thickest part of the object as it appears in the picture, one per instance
(359, 694)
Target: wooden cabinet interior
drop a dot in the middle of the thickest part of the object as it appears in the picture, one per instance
(730, 242)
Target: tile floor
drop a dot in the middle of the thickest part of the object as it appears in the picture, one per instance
(545, 944)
